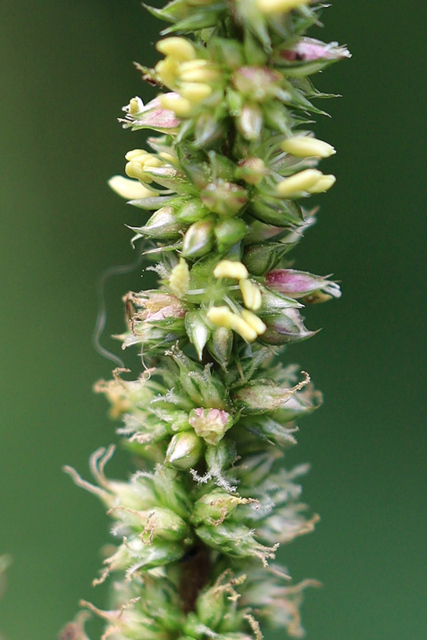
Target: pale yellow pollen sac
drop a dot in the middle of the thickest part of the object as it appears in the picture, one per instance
(138, 161)
(220, 316)
(298, 183)
(136, 153)
(130, 189)
(251, 294)
(168, 71)
(254, 321)
(195, 92)
(178, 48)
(198, 71)
(279, 6)
(307, 147)
(230, 269)
(135, 106)
(223, 317)
(324, 183)
(180, 106)
(179, 279)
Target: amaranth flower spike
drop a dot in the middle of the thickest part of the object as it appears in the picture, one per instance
(225, 181)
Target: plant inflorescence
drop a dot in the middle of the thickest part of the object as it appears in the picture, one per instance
(198, 524)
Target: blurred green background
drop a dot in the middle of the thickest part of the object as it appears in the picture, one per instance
(65, 71)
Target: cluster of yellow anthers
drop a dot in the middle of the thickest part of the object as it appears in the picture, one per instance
(309, 180)
(182, 71)
(248, 325)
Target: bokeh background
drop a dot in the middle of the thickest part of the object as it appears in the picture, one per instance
(65, 71)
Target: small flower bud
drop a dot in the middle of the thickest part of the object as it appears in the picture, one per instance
(208, 130)
(220, 345)
(179, 48)
(199, 239)
(130, 189)
(192, 211)
(307, 147)
(228, 51)
(210, 424)
(251, 294)
(224, 198)
(259, 258)
(204, 388)
(257, 83)
(264, 396)
(251, 170)
(161, 523)
(184, 451)
(179, 279)
(197, 331)
(298, 184)
(229, 232)
(285, 327)
(215, 506)
(299, 284)
(163, 225)
(270, 7)
(249, 121)
(230, 269)
(311, 50)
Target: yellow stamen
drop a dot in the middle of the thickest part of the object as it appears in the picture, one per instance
(251, 295)
(230, 269)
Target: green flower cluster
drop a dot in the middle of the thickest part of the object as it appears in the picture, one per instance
(198, 525)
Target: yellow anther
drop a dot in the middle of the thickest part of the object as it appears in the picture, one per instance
(254, 322)
(139, 161)
(279, 6)
(244, 329)
(223, 317)
(195, 92)
(307, 147)
(168, 70)
(220, 316)
(179, 279)
(180, 106)
(135, 106)
(178, 48)
(136, 153)
(298, 183)
(324, 183)
(198, 71)
(230, 269)
(152, 161)
(130, 189)
(251, 295)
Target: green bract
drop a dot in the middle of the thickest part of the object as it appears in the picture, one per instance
(225, 182)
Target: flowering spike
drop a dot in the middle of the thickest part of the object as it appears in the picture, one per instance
(208, 416)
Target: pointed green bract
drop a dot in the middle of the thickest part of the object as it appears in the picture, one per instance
(226, 181)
